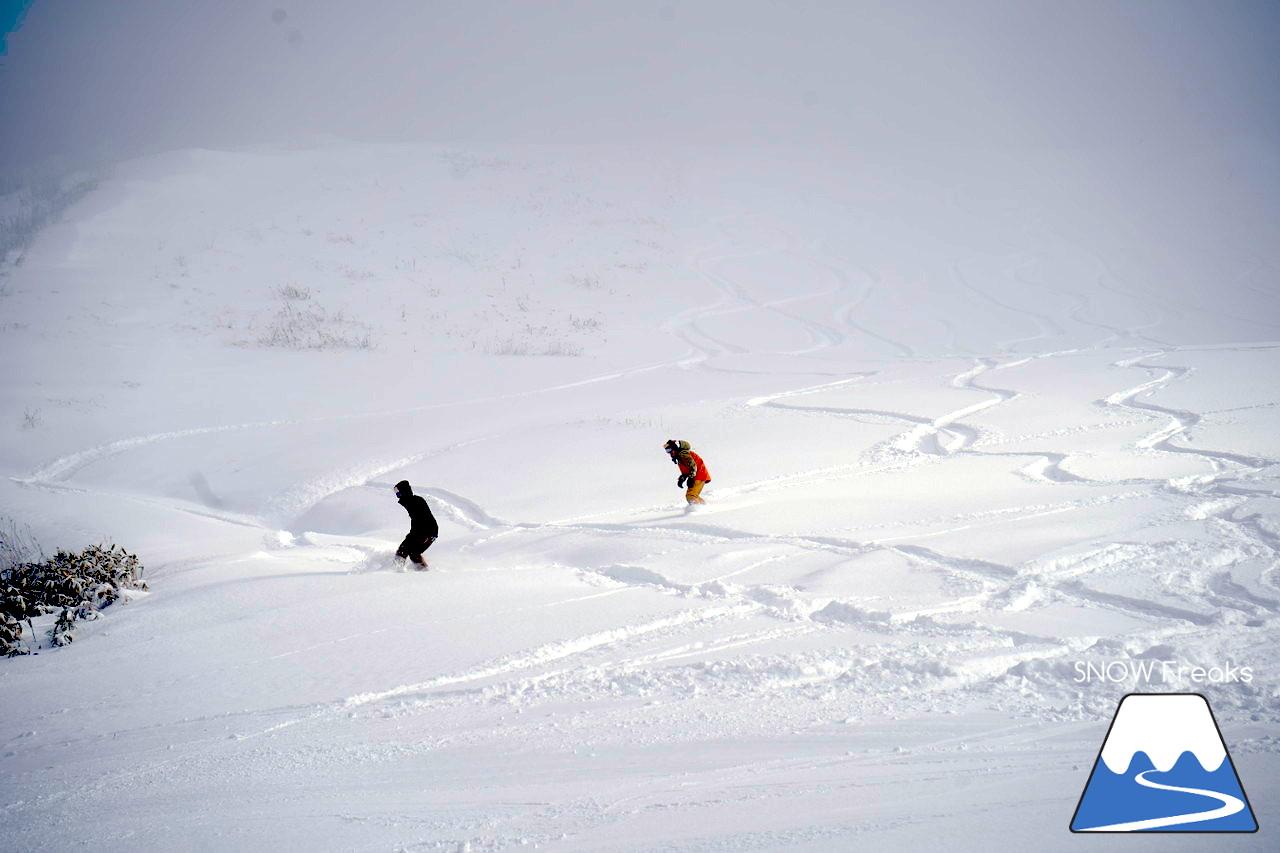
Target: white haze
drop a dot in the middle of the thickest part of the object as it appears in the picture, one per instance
(1161, 116)
(856, 75)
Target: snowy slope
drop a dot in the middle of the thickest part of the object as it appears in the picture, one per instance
(965, 439)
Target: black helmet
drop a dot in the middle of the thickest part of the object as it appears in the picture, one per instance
(671, 446)
(403, 489)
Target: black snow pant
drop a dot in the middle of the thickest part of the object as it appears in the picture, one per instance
(413, 546)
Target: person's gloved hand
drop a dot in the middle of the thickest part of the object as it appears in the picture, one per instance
(680, 480)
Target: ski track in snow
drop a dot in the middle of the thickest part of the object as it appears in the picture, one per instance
(731, 636)
(1180, 422)
(936, 436)
(928, 436)
(944, 435)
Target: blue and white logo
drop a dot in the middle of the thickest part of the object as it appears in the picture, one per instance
(1163, 767)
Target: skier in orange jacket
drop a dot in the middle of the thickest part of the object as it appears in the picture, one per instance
(693, 471)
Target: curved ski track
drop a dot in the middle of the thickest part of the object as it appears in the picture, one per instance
(609, 657)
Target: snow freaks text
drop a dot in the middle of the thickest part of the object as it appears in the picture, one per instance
(1161, 672)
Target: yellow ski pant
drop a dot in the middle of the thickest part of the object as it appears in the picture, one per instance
(694, 493)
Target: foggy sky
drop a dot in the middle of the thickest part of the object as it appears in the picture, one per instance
(132, 75)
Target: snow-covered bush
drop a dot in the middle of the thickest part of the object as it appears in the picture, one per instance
(30, 202)
(73, 585)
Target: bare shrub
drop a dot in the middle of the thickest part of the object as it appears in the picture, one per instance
(291, 292)
(586, 282)
(301, 323)
(527, 346)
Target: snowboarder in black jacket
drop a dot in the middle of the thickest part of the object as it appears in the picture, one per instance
(423, 529)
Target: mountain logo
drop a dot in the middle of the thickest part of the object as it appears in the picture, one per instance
(1163, 767)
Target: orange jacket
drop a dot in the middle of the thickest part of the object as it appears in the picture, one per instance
(690, 462)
